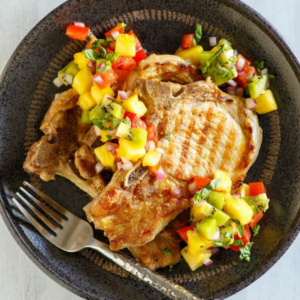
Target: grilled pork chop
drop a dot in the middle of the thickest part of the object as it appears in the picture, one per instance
(209, 130)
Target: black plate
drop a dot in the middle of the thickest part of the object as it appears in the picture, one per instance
(26, 93)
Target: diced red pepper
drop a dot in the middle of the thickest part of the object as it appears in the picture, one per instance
(122, 75)
(201, 182)
(109, 77)
(244, 74)
(256, 218)
(256, 188)
(124, 63)
(140, 55)
(135, 120)
(155, 168)
(118, 28)
(77, 32)
(183, 232)
(187, 41)
(245, 238)
(151, 132)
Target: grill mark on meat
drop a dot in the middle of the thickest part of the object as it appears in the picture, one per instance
(203, 136)
(185, 146)
(228, 148)
(217, 136)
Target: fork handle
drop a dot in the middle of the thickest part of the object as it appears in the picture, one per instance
(154, 279)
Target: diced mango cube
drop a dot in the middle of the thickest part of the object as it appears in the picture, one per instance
(238, 209)
(86, 101)
(134, 105)
(82, 81)
(197, 243)
(126, 45)
(98, 94)
(196, 211)
(226, 183)
(244, 190)
(151, 158)
(105, 156)
(130, 150)
(191, 54)
(81, 60)
(194, 260)
(266, 103)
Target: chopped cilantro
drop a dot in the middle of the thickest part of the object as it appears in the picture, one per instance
(259, 66)
(235, 221)
(256, 229)
(207, 63)
(229, 235)
(122, 179)
(167, 252)
(271, 76)
(91, 54)
(109, 137)
(205, 192)
(246, 251)
(185, 251)
(240, 230)
(171, 268)
(168, 136)
(238, 242)
(218, 244)
(191, 217)
(223, 72)
(127, 121)
(112, 57)
(198, 34)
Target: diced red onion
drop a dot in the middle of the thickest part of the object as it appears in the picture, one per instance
(212, 41)
(129, 93)
(216, 236)
(231, 90)
(90, 64)
(137, 47)
(124, 160)
(68, 78)
(127, 166)
(56, 95)
(235, 52)
(237, 195)
(119, 166)
(110, 147)
(98, 79)
(264, 71)
(162, 151)
(192, 187)
(150, 145)
(113, 132)
(240, 63)
(250, 103)
(207, 261)
(160, 176)
(101, 65)
(80, 24)
(99, 167)
(97, 131)
(267, 84)
(58, 82)
(231, 82)
(239, 91)
(115, 34)
(122, 95)
(177, 192)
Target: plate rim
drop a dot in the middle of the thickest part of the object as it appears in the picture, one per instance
(284, 47)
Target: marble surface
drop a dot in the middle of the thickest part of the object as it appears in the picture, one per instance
(21, 279)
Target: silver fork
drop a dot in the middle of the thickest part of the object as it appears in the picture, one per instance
(72, 234)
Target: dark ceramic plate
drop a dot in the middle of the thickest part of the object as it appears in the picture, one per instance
(26, 93)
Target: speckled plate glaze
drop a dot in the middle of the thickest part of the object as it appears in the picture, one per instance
(26, 92)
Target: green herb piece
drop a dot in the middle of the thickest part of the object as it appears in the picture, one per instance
(205, 191)
(227, 243)
(229, 235)
(103, 69)
(223, 72)
(122, 179)
(88, 38)
(171, 268)
(259, 66)
(198, 34)
(256, 229)
(232, 59)
(218, 244)
(271, 76)
(191, 217)
(109, 137)
(123, 25)
(235, 221)
(168, 136)
(238, 242)
(127, 121)
(167, 252)
(115, 122)
(208, 62)
(181, 259)
(246, 251)
(109, 39)
(91, 54)
(240, 231)
(112, 57)
(185, 251)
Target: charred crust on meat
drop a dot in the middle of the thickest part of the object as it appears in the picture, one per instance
(52, 140)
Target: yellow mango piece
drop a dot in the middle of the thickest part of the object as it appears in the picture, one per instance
(134, 105)
(151, 158)
(191, 54)
(105, 156)
(194, 260)
(265, 103)
(81, 60)
(197, 243)
(130, 150)
(244, 190)
(86, 101)
(196, 211)
(82, 81)
(126, 45)
(238, 209)
(99, 94)
(226, 183)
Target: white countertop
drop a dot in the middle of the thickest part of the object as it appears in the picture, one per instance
(21, 279)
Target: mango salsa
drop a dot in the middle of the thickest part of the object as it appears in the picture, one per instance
(191, 54)
(105, 156)
(130, 150)
(134, 105)
(82, 81)
(98, 94)
(266, 103)
(86, 101)
(126, 45)
(81, 60)
(194, 260)
(196, 242)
